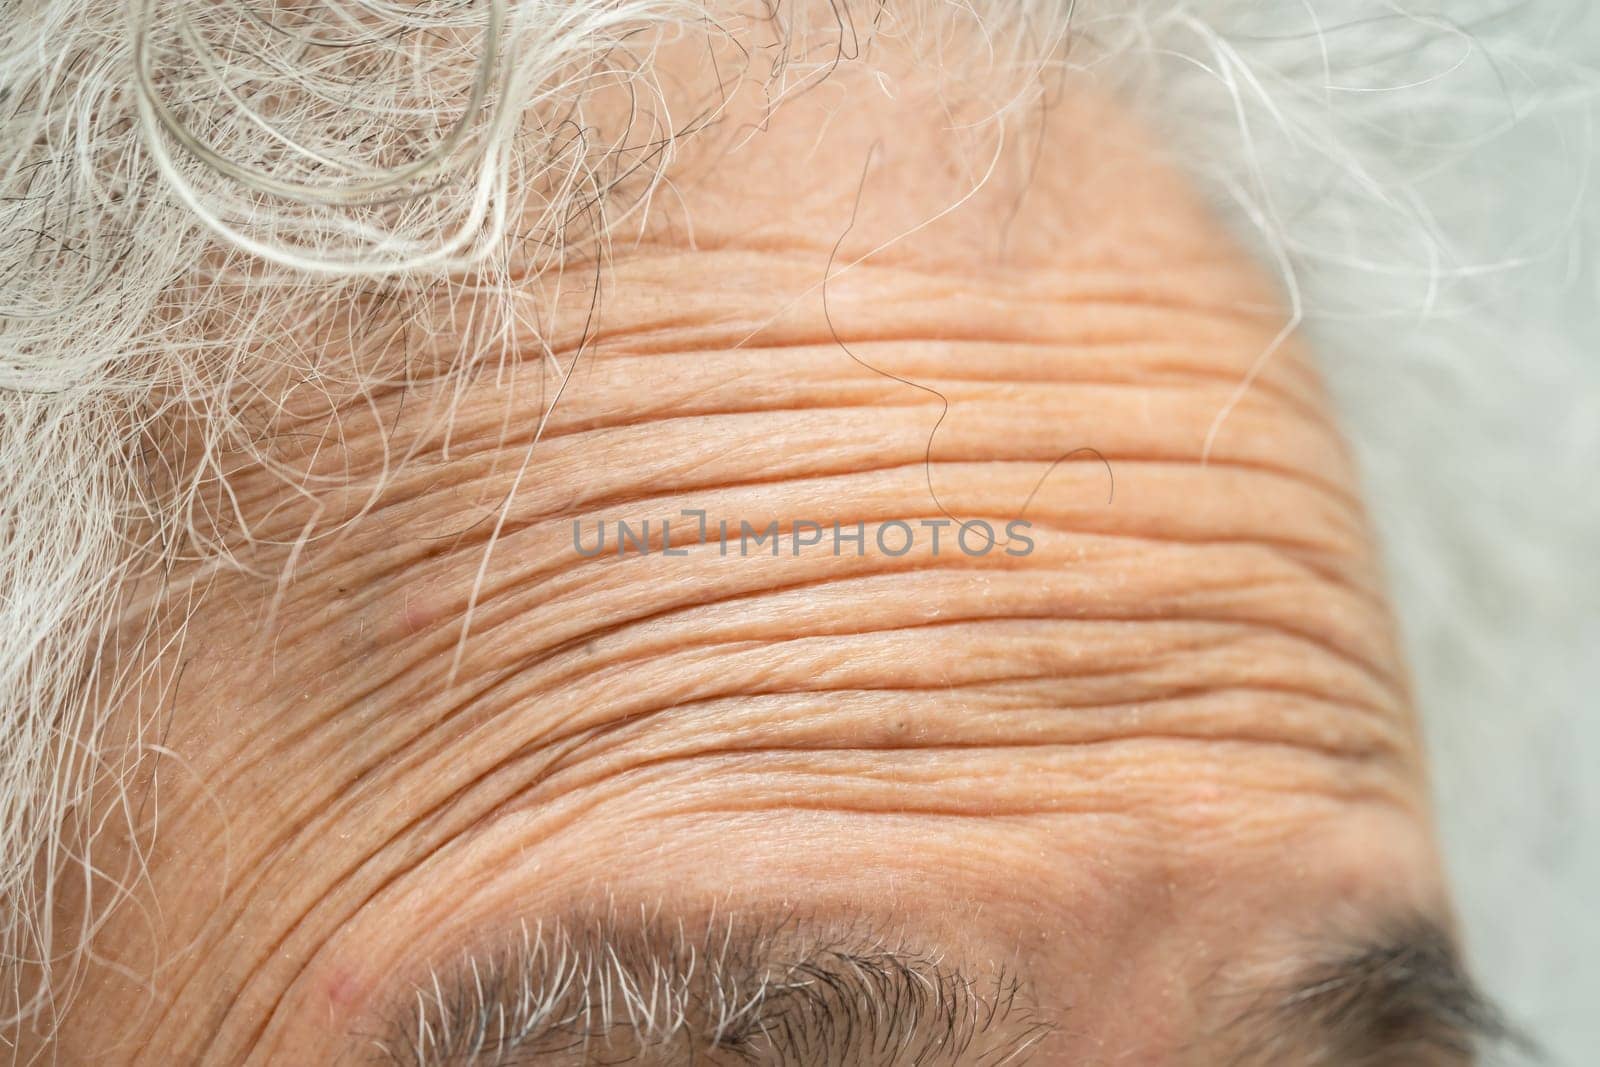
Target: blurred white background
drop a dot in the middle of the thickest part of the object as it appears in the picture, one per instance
(1482, 455)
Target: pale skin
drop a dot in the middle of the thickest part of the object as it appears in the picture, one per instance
(1137, 766)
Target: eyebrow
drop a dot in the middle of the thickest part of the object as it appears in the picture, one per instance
(789, 991)
(1401, 994)
(780, 993)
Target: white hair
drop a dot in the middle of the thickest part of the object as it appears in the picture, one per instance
(185, 186)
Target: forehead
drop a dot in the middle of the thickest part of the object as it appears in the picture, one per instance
(1124, 754)
(1169, 734)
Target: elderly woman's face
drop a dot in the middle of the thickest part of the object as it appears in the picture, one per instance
(1130, 778)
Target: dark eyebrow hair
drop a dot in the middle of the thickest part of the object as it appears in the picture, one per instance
(623, 991)
(1401, 995)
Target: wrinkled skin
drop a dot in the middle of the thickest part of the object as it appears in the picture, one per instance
(1149, 755)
